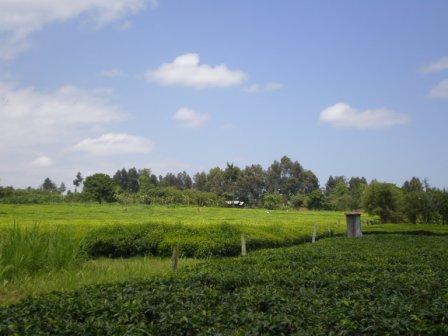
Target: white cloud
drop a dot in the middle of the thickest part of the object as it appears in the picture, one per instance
(190, 118)
(440, 90)
(20, 18)
(42, 162)
(268, 87)
(30, 117)
(185, 70)
(440, 65)
(112, 73)
(342, 115)
(115, 143)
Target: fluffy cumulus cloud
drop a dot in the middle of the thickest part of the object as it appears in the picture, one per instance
(190, 118)
(52, 122)
(437, 66)
(32, 117)
(440, 90)
(42, 162)
(115, 143)
(268, 87)
(20, 18)
(186, 70)
(342, 115)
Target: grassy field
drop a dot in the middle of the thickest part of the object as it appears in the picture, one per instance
(91, 272)
(55, 247)
(377, 285)
(86, 216)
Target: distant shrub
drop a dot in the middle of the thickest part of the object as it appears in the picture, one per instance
(9, 195)
(272, 201)
(172, 195)
(298, 201)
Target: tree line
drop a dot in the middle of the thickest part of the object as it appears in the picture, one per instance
(285, 183)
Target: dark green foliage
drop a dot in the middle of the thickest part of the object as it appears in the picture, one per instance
(384, 200)
(174, 196)
(222, 240)
(99, 187)
(272, 201)
(298, 201)
(10, 195)
(49, 185)
(379, 285)
(78, 180)
(316, 200)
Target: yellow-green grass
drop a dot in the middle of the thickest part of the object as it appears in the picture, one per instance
(84, 217)
(99, 271)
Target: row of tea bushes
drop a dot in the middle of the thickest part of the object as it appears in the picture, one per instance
(377, 285)
(121, 241)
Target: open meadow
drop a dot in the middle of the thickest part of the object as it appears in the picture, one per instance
(61, 247)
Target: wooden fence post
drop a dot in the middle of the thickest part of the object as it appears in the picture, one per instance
(175, 258)
(313, 239)
(243, 245)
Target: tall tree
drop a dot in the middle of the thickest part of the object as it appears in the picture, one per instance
(251, 184)
(100, 187)
(384, 200)
(77, 181)
(133, 184)
(145, 181)
(200, 181)
(49, 185)
(121, 179)
(62, 188)
(184, 181)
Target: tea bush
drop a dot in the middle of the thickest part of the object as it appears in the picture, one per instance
(223, 240)
(377, 285)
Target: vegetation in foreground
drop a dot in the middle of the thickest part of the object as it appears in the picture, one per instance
(90, 272)
(376, 285)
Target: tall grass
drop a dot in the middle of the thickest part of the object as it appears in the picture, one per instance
(29, 250)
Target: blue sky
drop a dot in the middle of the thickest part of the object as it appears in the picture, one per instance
(355, 88)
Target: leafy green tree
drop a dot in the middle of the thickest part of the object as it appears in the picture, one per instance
(49, 185)
(144, 180)
(133, 185)
(100, 187)
(356, 188)
(413, 199)
(339, 197)
(200, 181)
(316, 200)
(251, 184)
(442, 205)
(289, 178)
(298, 201)
(78, 181)
(384, 200)
(62, 188)
(184, 181)
(121, 179)
(272, 201)
(333, 182)
(215, 181)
